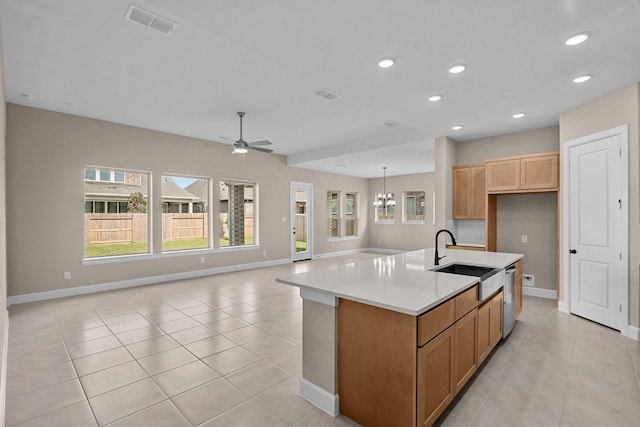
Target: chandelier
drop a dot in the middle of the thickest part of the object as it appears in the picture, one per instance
(384, 199)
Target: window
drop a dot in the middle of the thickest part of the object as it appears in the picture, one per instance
(105, 175)
(385, 214)
(116, 215)
(237, 208)
(185, 216)
(351, 215)
(413, 207)
(333, 214)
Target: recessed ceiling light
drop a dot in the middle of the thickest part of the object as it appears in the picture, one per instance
(458, 68)
(26, 95)
(435, 98)
(578, 38)
(456, 127)
(518, 115)
(386, 62)
(582, 79)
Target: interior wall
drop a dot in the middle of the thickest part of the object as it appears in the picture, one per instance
(621, 107)
(3, 192)
(398, 235)
(45, 198)
(445, 153)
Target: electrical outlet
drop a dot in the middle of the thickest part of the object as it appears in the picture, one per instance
(67, 275)
(264, 253)
(528, 280)
(201, 260)
(524, 238)
(284, 219)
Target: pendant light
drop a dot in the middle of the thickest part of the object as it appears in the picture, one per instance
(384, 199)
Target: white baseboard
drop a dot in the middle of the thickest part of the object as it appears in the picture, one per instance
(540, 293)
(88, 289)
(4, 325)
(321, 398)
(633, 333)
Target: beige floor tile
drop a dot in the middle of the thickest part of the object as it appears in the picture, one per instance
(228, 324)
(197, 333)
(97, 345)
(285, 401)
(289, 360)
(245, 334)
(129, 325)
(40, 378)
(111, 378)
(166, 360)
(178, 325)
(250, 413)
(28, 362)
(99, 361)
(164, 414)
(127, 400)
(152, 346)
(231, 360)
(318, 418)
(147, 309)
(76, 415)
(268, 345)
(209, 400)
(257, 378)
(211, 316)
(184, 378)
(39, 402)
(209, 346)
(137, 335)
(166, 316)
(83, 335)
(197, 309)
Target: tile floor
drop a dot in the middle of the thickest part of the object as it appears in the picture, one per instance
(226, 351)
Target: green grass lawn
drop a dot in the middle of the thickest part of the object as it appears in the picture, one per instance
(141, 248)
(301, 246)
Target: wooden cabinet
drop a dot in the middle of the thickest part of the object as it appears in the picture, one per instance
(518, 288)
(466, 248)
(522, 174)
(465, 348)
(469, 192)
(436, 382)
(489, 326)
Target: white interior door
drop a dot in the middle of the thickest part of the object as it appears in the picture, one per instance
(598, 275)
(301, 214)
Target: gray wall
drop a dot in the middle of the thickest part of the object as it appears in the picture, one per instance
(621, 107)
(3, 216)
(45, 199)
(398, 235)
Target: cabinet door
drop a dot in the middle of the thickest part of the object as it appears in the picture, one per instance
(478, 193)
(503, 175)
(539, 172)
(484, 332)
(436, 385)
(461, 193)
(495, 324)
(465, 348)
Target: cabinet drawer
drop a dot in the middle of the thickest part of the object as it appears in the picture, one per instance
(466, 301)
(435, 321)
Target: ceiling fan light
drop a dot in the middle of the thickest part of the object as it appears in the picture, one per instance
(239, 150)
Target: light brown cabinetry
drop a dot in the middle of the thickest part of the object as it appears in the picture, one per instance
(489, 326)
(523, 174)
(436, 381)
(469, 192)
(466, 248)
(518, 288)
(465, 348)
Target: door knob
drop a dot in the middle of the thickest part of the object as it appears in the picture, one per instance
(573, 251)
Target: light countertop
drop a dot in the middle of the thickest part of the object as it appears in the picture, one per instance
(401, 282)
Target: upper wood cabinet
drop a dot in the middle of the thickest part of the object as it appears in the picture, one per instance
(469, 192)
(523, 174)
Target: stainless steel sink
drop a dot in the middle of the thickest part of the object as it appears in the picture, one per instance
(491, 279)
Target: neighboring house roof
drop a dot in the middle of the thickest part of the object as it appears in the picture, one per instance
(171, 190)
(198, 188)
(111, 190)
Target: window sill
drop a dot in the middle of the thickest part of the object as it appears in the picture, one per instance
(386, 221)
(342, 239)
(163, 255)
(414, 222)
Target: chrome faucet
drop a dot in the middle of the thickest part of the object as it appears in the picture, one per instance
(436, 260)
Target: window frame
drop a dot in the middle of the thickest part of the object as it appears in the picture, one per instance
(412, 193)
(255, 209)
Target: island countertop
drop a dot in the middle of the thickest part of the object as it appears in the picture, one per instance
(402, 282)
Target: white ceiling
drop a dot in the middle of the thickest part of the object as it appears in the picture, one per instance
(269, 57)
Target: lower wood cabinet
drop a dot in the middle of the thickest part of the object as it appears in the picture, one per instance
(436, 377)
(518, 288)
(465, 348)
(489, 326)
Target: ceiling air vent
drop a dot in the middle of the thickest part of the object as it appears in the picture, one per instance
(151, 20)
(390, 124)
(327, 94)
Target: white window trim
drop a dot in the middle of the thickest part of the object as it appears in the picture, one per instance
(256, 216)
(404, 209)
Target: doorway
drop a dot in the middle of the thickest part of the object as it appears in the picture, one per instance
(301, 220)
(595, 228)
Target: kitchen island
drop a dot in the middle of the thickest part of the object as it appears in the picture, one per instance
(374, 331)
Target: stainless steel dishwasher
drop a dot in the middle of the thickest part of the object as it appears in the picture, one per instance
(509, 301)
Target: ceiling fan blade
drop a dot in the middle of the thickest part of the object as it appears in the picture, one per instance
(264, 150)
(263, 142)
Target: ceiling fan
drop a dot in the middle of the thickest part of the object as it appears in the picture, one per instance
(241, 146)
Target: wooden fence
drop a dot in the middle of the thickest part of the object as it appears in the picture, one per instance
(105, 228)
